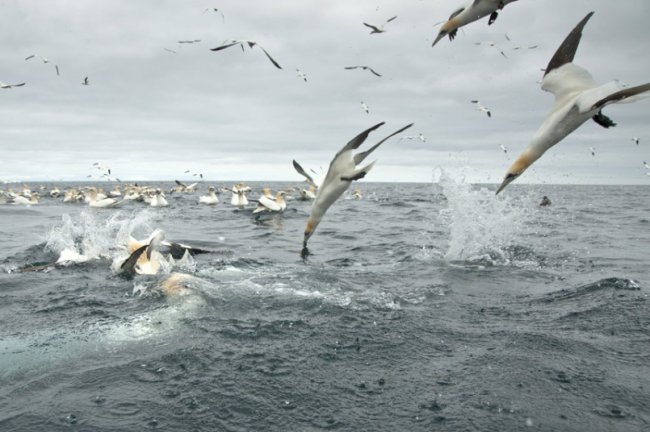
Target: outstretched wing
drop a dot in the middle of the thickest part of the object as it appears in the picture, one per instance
(355, 142)
(567, 50)
(302, 172)
(359, 157)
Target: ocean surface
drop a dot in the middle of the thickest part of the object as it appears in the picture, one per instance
(421, 307)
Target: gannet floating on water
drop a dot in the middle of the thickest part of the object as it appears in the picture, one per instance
(210, 198)
(471, 11)
(239, 192)
(343, 170)
(274, 204)
(158, 199)
(577, 99)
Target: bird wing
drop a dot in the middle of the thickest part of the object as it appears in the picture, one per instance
(180, 183)
(351, 67)
(355, 142)
(567, 50)
(459, 10)
(621, 95)
(374, 71)
(128, 266)
(225, 46)
(359, 157)
(372, 27)
(270, 58)
(302, 172)
(390, 19)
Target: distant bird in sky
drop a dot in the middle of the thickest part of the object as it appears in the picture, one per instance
(493, 45)
(301, 75)
(645, 164)
(213, 9)
(365, 107)
(170, 50)
(636, 140)
(473, 10)
(578, 98)
(250, 44)
(504, 148)
(343, 170)
(379, 29)
(6, 86)
(44, 60)
(189, 41)
(412, 137)
(85, 81)
(593, 151)
(364, 68)
(480, 107)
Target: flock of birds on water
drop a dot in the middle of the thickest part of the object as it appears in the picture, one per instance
(578, 98)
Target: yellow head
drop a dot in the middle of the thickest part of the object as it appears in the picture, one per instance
(517, 168)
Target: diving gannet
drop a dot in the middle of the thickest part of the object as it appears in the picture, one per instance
(577, 99)
(210, 198)
(471, 11)
(250, 44)
(379, 29)
(343, 170)
(303, 173)
(368, 68)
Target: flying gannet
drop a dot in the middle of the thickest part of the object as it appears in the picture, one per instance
(6, 86)
(343, 170)
(577, 99)
(368, 68)
(471, 11)
(379, 29)
(250, 44)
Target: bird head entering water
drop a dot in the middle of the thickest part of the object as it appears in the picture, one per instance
(516, 169)
(309, 230)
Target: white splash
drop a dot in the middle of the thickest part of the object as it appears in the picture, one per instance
(482, 226)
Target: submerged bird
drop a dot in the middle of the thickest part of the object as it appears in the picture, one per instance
(577, 99)
(379, 29)
(343, 170)
(250, 44)
(364, 68)
(471, 11)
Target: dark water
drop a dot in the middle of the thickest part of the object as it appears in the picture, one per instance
(422, 307)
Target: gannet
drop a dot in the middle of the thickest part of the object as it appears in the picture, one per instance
(99, 200)
(636, 140)
(85, 81)
(158, 199)
(55, 192)
(545, 201)
(140, 262)
(308, 194)
(577, 99)
(186, 188)
(210, 198)
(266, 204)
(343, 170)
(308, 178)
(379, 29)
(239, 192)
(471, 11)
(504, 148)
(357, 194)
(301, 75)
(365, 107)
(368, 68)
(480, 107)
(6, 86)
(250, 44)
(22, 200)
(593, 151)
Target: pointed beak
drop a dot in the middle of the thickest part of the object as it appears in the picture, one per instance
(506, 181)
(441, 35)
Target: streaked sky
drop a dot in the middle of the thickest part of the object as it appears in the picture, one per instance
(152, 114)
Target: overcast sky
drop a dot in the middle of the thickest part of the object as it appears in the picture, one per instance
(152, 114)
